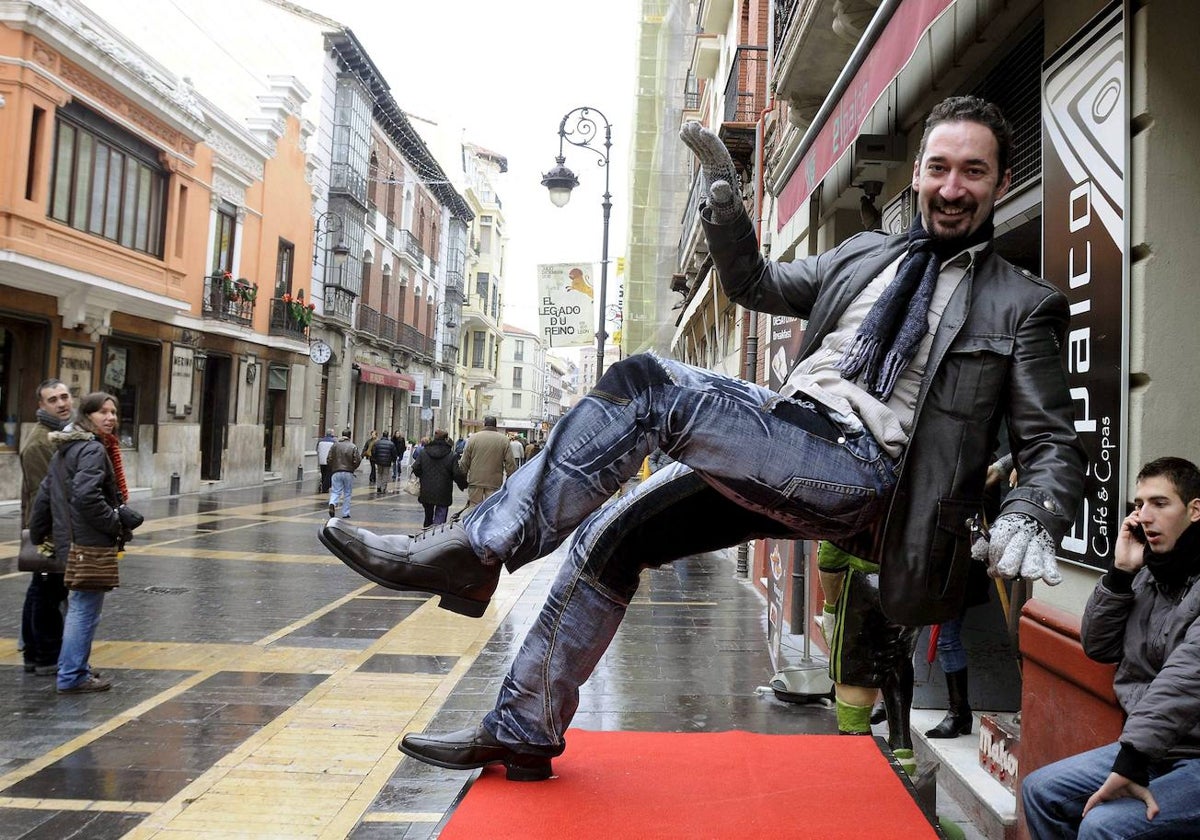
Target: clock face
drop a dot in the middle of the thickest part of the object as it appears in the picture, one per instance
(320, 352)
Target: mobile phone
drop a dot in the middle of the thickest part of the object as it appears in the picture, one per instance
(1138, 534)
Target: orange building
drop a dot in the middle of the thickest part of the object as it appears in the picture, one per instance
(147, 246)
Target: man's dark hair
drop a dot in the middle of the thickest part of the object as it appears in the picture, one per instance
(489, 422)
(1181, 472)
(48, 383)
(972, 109)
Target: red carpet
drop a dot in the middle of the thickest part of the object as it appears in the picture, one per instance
(735, 785)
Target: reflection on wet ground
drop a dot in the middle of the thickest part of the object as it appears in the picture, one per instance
(261, 686)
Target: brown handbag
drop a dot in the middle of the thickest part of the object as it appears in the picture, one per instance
(31, 559)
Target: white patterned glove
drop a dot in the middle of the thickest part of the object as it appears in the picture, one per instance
(720, 176)
(1018, 546)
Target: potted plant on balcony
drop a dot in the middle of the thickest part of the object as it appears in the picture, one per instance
(244, 290)
(300, 312)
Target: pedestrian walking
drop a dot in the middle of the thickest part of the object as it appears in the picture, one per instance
(344, 459)
(435, 467)
(323, 446)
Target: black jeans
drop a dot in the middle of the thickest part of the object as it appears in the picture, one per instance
(42, 618)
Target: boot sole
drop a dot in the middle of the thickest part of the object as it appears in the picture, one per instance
(517, 768)
(449, 601)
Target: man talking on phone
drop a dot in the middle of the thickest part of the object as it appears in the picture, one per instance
(1143, 616)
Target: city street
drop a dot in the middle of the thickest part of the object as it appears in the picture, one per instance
(260, 687)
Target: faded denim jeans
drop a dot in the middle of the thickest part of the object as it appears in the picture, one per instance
(751, 463)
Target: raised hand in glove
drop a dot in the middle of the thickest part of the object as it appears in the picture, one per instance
(1018, 545)
(722, 193)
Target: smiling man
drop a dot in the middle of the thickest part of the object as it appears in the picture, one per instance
(918, 347)
(1144, 615)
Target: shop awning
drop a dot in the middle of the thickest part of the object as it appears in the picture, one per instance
(372, 375)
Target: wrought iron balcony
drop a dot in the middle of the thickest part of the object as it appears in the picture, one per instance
(368, 320)
(412, 247)
(339, 304)
(284, 321)
(412, 339)
(228, 300)
(746, 89)
(387, 329)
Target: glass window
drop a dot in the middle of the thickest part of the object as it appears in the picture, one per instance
(284, 260)
(107, 182)
(517, 376)
(518, 350)
(477, 345)
(516, 400)
(223, 242)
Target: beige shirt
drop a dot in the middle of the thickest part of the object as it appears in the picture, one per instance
(818, 377)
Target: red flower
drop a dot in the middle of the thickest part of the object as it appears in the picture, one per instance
(287, 298)
(312, 306)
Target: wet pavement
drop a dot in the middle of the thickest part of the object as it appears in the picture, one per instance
(260, 687)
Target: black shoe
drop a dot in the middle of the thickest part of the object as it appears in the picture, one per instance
(439, 561)
(48, 670)
(469, 749)
(878, 712)
(332, 511)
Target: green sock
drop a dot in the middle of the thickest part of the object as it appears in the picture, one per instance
(907, 760)
(829, 608)
(853, 720)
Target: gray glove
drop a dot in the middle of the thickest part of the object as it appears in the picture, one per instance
(1018, 545)
(722, 192)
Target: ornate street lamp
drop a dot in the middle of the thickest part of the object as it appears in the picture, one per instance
(329, 223)
(560, 180)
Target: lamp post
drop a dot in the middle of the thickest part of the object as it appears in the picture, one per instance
(560, 181)
(329, 223)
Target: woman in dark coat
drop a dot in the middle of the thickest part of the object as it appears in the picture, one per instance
(435, 467)
(81, 505)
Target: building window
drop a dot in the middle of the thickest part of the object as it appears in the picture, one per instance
(485, 239)
(481, 288)
(285, 258)
(477, 345)
(107, 182)
(517, 377)
(516, 400)
(518, 350)
(225, 239)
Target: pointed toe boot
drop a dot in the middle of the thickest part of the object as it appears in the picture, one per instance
(439, 561)
(469, 749)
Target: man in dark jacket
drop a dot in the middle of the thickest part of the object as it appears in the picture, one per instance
(913, 341)
(1144, 615)
(435, 466)
(383, 454)
(41, 617)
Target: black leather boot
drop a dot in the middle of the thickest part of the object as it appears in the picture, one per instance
(958, 720)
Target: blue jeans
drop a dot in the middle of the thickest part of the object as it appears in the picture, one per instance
(751, 463)
(83, 614)
(1053, 798)
(952, 656)
(342, 487)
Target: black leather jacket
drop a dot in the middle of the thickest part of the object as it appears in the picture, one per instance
(996, 356)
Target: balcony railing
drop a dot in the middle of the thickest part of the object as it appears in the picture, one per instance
(785, 11)
(387, 329)
(746, 90)
(339, 304)
(412, 246)
(368, 320)
(412, 339)
(224, 301)
(689, 220)
(283, 320)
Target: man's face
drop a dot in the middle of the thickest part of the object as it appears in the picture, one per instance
(57, 400)
(958, 178)
(1163, 515)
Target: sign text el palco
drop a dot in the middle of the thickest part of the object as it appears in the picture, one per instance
(1084, 247)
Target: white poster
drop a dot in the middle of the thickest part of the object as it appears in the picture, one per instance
(418, 392)
(566, 311)
(435, 392)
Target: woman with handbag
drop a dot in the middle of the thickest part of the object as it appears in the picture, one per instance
(81, 503)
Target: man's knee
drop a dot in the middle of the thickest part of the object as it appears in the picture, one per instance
(631, 375)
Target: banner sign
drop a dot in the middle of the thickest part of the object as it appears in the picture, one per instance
(1085, 154)
(566, 312)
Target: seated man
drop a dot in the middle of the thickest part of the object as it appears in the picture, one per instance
(1144, 615)
(918, 347)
